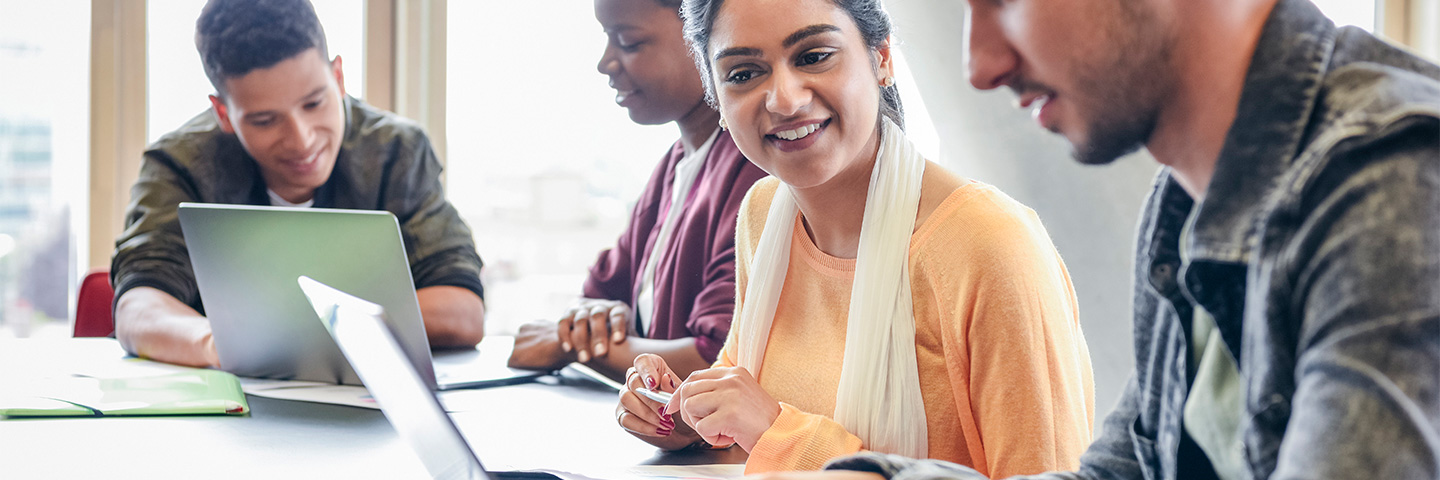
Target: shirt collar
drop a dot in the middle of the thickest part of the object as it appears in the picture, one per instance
(1276, 102)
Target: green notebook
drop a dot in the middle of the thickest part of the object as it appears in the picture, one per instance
(191, 392)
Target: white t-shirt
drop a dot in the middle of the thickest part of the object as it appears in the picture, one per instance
(685, 172)
(275, 200)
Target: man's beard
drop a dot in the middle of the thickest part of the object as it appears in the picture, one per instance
(1121, 97)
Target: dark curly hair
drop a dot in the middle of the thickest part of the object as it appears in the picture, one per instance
(237, 36)
(869, 16)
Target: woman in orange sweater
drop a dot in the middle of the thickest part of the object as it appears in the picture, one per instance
(883, 303)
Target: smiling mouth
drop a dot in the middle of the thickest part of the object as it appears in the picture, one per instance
(799, 132)
(307, 161)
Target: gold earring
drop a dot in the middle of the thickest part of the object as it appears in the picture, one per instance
(723, 126)
(888, 82)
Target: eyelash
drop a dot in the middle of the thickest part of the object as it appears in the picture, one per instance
(732, 78)
(308, 106)
(804, 60)
(823, 56)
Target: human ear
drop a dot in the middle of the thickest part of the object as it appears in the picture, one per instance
(222, 114)
(885, 68)
(339, 74)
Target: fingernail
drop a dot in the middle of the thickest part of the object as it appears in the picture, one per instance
(650, 382)
(663, 432)
(565, 346)
(599, 349)
(618, 336)
(584, 356)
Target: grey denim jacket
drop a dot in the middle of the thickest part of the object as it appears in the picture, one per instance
(1317, 250)
(385, 163)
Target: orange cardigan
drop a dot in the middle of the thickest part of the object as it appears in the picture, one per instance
(1004, 370)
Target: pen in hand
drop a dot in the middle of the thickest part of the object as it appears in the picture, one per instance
(657, 396)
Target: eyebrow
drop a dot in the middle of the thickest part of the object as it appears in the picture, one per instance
(808, 32)
(789, 41)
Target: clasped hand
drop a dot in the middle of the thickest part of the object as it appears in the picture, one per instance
(585, 332)
(586, 327)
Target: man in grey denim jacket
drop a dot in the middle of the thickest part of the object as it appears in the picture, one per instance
(1300, 210)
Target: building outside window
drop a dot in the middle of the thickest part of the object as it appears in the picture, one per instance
(44, 133)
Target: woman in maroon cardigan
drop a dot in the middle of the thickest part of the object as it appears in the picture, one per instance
(668, 285)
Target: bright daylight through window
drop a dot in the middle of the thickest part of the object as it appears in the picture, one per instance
(44, 134)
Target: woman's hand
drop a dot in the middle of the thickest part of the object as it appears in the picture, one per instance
(589, 328)
(538, 348)
(645, 417)
(724, 406)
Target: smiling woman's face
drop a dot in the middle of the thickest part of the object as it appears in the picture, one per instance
(647, 61)
(798, 87)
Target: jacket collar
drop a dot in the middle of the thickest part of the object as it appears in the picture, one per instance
(1276, 102)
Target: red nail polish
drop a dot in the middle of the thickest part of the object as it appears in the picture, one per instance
(650, 383)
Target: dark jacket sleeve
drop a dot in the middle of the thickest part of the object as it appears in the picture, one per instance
(440, 246)
(1367, 391)
(151, 251)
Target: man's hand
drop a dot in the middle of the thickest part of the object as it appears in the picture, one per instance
(152, 324)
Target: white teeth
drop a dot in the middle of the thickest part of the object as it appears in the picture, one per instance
(799, 133)
(1037, 104)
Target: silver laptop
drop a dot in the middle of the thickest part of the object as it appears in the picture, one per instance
(246, 259)
(363, 334)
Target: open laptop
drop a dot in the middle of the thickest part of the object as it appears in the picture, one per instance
(246, 259)
(363, 334)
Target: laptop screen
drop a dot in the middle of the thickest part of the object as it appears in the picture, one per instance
(359, 329)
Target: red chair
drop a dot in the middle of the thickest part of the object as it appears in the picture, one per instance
(93, 309)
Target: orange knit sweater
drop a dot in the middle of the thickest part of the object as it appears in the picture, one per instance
(1004, 370)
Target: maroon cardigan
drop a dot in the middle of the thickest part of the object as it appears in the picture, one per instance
(695, 277)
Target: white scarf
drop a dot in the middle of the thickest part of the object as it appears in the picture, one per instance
(879, 397)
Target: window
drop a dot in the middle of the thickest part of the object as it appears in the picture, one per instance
(1360, 13)
(178, 88)
(542, 163)
(44, 134)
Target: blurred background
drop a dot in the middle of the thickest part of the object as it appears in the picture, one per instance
(540, 161)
